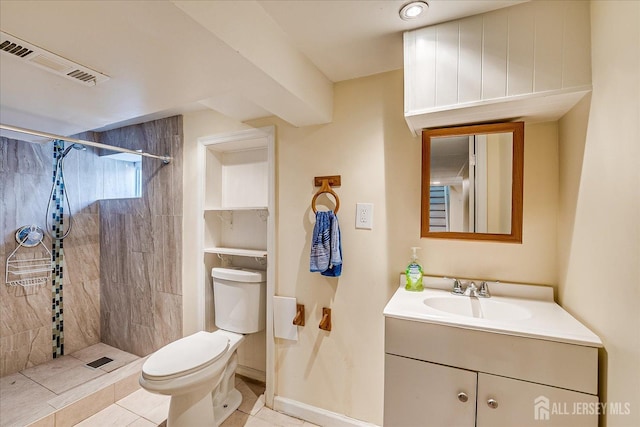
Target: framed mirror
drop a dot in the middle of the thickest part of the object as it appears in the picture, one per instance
(472, 180)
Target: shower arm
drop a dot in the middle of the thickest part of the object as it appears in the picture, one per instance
(165, 159)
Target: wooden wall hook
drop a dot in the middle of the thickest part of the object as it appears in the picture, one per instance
(325, 323)
(299, 319)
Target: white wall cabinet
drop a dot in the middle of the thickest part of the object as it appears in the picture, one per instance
(530, 61)
(441, 376)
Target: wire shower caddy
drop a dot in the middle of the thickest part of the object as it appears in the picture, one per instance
(28, 272)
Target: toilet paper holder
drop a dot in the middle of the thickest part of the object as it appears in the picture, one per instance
(298, 320)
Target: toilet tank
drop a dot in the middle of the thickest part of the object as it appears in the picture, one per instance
(239, 296)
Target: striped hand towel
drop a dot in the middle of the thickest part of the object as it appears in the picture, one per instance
(326, 247)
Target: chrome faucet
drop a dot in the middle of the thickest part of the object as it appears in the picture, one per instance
(469, 289)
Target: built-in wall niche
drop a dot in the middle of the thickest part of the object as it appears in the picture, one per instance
(122, 175)
(238, 229)
(237, 178)
(236, 232)
(236, 199)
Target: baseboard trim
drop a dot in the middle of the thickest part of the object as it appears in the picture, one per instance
(252, 373)
(315, 415)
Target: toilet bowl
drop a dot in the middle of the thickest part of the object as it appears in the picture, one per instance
(198, 371)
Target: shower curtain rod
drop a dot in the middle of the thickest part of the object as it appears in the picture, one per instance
(165, 159)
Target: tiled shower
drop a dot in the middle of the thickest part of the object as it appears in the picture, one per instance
(122, 260)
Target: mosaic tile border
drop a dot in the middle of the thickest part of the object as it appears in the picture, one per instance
(57, 251)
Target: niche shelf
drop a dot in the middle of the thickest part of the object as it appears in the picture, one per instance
(253, 253)
(231, 209)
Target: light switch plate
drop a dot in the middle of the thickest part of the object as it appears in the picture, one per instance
(364, 215)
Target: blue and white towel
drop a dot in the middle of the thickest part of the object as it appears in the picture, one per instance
(326, 248)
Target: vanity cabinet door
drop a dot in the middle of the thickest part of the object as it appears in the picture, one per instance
(422, 394)
(506, 402)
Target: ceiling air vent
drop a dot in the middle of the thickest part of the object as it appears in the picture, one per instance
(51, 62)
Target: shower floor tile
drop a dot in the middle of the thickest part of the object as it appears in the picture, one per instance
(63, 381)
(45, 371)
(22, 400)
(36, 392)
(96, 351)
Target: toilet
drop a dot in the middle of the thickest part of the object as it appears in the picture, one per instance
(198, 371)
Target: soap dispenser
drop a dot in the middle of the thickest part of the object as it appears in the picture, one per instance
(414, 273)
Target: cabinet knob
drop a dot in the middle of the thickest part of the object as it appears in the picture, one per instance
(492, 403)
(462, 396)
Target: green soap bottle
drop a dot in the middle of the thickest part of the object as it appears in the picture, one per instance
(414, 273)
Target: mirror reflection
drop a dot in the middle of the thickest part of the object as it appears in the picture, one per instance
(472, 182)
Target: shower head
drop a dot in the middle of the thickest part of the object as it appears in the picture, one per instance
(76, 146)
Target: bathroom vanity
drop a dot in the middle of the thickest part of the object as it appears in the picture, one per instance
(516, 358)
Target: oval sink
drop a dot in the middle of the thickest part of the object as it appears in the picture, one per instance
(480, 308)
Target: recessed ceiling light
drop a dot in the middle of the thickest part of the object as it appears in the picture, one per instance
(413, 9)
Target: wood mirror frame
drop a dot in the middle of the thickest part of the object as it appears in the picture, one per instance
(517, 128)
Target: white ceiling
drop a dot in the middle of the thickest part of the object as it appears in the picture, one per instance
(245, 59)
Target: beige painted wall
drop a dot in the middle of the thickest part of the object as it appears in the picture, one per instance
(534, 261)
(599, 235)
(368, 143)
(370, 146)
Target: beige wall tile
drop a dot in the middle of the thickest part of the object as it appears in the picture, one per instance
(48, 421)
(85, 407)
(127, 227)
(126, 386)
(167, 315)
(81, 315)
(26, 349)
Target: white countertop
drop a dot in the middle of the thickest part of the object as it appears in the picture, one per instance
(548, 321)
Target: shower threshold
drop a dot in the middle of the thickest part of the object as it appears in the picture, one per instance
(70, 388)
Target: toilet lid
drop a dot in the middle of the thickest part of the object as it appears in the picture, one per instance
(185, 355)
(244, 275)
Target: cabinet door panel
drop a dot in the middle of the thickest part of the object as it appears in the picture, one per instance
(525, 404)
(422, 394)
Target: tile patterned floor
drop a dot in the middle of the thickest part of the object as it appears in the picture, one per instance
(144, 409)
(39, 391)
(53, 394)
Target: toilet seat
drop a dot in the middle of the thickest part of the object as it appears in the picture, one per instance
(186, 355)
